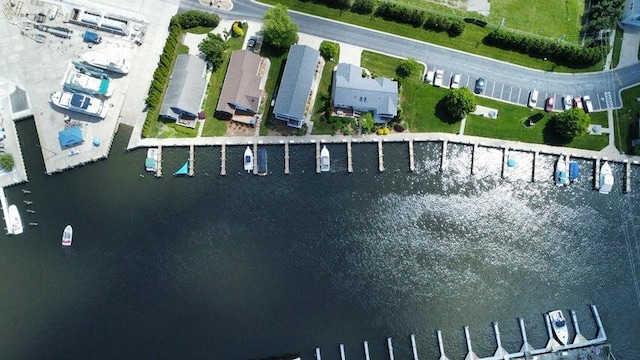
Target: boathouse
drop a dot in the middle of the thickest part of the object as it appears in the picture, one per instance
(631, 13)
(243, 86)
(352, 92)
(295, 91)
(185, 91)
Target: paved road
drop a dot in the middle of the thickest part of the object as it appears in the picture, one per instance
(506, 82)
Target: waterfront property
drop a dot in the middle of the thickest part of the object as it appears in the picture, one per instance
(185, 91)
(295, 91)
(351, 91)
(243, 87)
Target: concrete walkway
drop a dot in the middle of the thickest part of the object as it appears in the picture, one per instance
(630, 46)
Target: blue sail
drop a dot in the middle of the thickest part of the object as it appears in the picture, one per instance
(184, 170)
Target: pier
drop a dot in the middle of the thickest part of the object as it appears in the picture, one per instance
(318, 158)
(380, 158)
(473, 159)
(596, 177)
(191, 159)
(349, 157)
(443, 159)
(412, 166)
(159, 164)
(5, 211)
(533, 167)
(627, 176)
(286, 158)
(223, 160)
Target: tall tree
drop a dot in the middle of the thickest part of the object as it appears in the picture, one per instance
(278, 29)
(459, 103)
(571, 123)
(213, 48)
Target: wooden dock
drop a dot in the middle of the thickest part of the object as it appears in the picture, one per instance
(255, 159)
(159, 168)
(533, 167)
(596, 177)
(318, 157)
(443, 159)
(223, 160)
(505, 158)
(627, 176)
(286, 158)
(473, 159)
(380, 156)
(349, 157)
(412, 166)
(191, 159)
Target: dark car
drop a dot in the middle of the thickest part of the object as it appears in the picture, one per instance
(548, 105)
(251, 43)
(479, 88)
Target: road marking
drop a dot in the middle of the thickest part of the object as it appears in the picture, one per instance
(510, 91)
(493, 89)
(608, 100)
(599, 98)
(501, 91)
(618, 78)
(519, 93)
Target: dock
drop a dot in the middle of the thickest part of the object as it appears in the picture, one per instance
(380, 156)
(318, 158)
(223, 160)
(342, 356)
(5, 210)
(255, 159)
(443, 159)
(473, 159)
(412, 166)
(596, 177)
(627, 176)
(349, 157)
(441, 347)
(191, 159)
(159, 164)
(505, 158)
(533, 167)
(286, 158)
(318, 357)
(366, 350)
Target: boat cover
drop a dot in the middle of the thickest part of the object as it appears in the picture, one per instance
(70, 137)
(150, 163)
(574, 170)
(184, 170)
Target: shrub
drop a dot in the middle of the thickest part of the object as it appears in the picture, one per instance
(400, 14)
(6, 162)
(440, 23)
(398, 128)
(363, 6)
(330, 50)
(237, 29)
(194, 18)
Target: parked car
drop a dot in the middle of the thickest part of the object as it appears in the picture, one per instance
(479, 88)
(428, 78)
(548, 105)
(437, 81)
(577, 102)
(588, 106)
(533, 98)
(566, 103)
(251, 43)
(455, 81)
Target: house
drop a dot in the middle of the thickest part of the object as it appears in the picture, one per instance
(631, 13)
(243, 86)
(294, 93)
(353, 92)
(186, 90)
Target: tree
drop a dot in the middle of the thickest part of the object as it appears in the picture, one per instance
(6, 162)
(213, 48)
(407, 68)
(571, 123)
(192, 18)
(459, 103)
(278, 29)
(367, 122)
(330, 50)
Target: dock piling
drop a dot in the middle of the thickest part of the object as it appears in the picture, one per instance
(349, 157)
(191, 159)
(223, 160)
(412, 166)
(443, 160)
(380, 156)
(286, 158)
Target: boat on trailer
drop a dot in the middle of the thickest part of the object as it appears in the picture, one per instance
(76, 81)
(248, 159)
(67, 236)
(325, 159)
(559, 326)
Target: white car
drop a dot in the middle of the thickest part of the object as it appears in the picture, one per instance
(428, 78)
(567, 102)
(588, 106)
(533, 98)
(438, 79)
(455, 81)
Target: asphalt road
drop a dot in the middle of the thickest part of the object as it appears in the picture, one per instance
(504, 81)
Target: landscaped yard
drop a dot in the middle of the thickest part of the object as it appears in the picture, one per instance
(625, 119)
(275, 72)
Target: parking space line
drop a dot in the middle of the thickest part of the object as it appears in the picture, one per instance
(599, 103)
(493, 89)
(519, 93)
(501, 91)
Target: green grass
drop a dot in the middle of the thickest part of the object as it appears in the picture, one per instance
(599, 118)
(625, 119)
(320, 125)
(200, 30)
(470, 40)
(617, 45)
(277, 59)
(182, 49)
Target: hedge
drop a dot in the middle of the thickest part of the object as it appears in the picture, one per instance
(400, 14)
(194, 18)
(363, 6)
(441, 23)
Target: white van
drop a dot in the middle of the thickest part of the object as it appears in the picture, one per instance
(533, 98)
(588, 106)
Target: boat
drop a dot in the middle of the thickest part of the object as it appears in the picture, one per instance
(574, 171)
(559, 326)
(15, 221)
(248, 159)
(562, 175)
(151, 162)
(76, 81)
(102, 60)
(262, 162)
(79, 103)
(184, 170)
(606, 178)
(67, 236)
(325, 159)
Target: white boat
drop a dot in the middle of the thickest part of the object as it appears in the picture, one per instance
(248, 159)
(67, 236)
(15, 221)
(111, 62)
(325, 160)
(562, 172)
(559, 326)
(75, 81)
(151, 162)
(606, 178)
(79, 103)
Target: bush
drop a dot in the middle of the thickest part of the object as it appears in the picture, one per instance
(236, 29)
(439, 23)
(398, 128)
(194, 18)
(363, 6)
(6, 162)
(330, 50)
(400, 14)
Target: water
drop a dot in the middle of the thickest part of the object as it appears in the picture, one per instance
(241, 267)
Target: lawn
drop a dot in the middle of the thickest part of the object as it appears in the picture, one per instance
(617, 45)
(320, 126)
(470, 41)
(625, 119)
(277, 59)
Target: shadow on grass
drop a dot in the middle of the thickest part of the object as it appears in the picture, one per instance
(551, 137)
(442, 114)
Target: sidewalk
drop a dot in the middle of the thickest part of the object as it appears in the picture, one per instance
(630, 46)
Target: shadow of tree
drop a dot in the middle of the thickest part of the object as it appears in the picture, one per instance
(551, 137)
(442, 113)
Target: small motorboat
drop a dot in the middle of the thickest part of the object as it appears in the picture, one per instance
(248, 160)
(559, 325)
(606, 178)
(15, 221)
(562, 173)
(67, 236)
(151, 161)
(574, 171)
(325, 160)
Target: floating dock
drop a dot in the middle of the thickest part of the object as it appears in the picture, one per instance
(349, 157)
(366, 350)
(390, 347)
(596, 177)
(342, 356)
(380, 156)
(255, 158)
(533, 166)
(286, 158)
(443, 159)
(627, 176)
(414, 348)
(159, 164)
(505, 158)
(191, 159)
(473, 159)
(412, 166)
(318, 158)
(223, 160)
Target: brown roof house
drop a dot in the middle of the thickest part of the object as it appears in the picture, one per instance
(243, 87)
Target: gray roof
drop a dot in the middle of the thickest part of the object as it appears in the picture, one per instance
(241, 88)
(350, 89)
(186, 87)
(296, 82)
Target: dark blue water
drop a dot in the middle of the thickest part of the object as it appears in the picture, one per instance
(241, 266)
